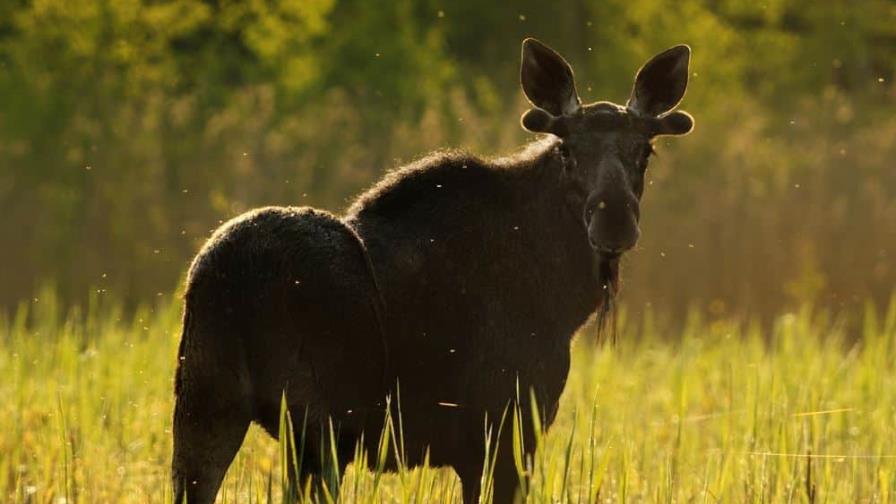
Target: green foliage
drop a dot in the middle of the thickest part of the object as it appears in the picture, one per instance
(130, 129)
(716, 411)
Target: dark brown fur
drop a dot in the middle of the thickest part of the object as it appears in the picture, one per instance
(449, 286)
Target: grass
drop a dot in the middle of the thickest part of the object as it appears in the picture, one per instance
(725, 413)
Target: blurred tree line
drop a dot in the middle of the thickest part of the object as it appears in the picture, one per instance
(131, 128)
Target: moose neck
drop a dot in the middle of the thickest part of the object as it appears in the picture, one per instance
(557, 265)
(500, 236)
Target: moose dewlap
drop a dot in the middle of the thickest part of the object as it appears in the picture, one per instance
(450, 285)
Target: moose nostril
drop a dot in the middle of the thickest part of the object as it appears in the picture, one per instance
(589, 210)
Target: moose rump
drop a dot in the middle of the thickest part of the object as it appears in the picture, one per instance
(280, 301)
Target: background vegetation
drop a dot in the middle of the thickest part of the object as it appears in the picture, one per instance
(130, 129)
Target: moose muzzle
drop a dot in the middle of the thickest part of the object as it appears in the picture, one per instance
(611, 217)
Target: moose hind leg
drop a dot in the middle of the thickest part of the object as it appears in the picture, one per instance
(211, 417)
(303, 466)
(317, 466)
(205, 443)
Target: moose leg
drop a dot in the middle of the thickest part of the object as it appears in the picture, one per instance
(207, 434)
(506, 479)
(338, 450)
(211, 415)
(503, 485)
(305, 467)
(470, 480)
(317, 462)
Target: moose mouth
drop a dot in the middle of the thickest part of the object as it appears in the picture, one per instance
(608, 256)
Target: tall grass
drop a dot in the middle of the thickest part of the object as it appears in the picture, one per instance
(718, 411)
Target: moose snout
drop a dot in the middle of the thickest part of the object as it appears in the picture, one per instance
(612, 223)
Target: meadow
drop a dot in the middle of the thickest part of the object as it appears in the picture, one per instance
(130, 130)
(716, 411)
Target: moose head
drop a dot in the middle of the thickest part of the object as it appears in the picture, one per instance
(605, 146)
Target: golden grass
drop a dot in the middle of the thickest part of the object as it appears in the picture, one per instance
(718, 411)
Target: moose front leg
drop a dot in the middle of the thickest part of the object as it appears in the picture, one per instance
(505, 480)
(470, 480)
(503, 485)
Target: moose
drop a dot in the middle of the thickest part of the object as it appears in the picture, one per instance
(451, 285)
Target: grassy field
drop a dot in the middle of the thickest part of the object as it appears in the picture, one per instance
(725, 413)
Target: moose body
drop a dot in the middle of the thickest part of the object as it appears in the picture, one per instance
(454, 286)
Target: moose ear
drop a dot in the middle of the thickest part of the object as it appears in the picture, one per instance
(547, 79)
(537, 120)
(661, 82)
(675, 123)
